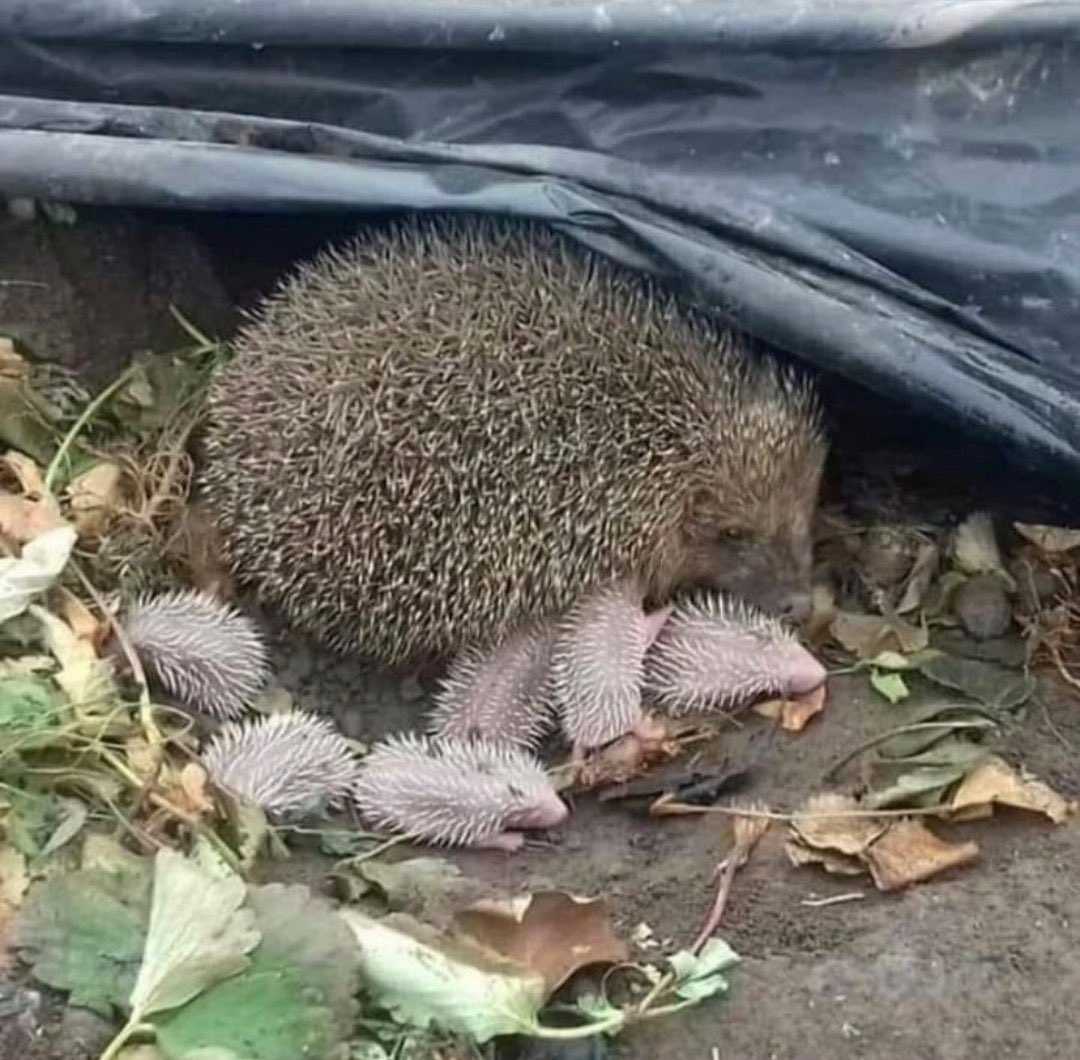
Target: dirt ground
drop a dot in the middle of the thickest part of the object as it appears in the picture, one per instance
(982, 962)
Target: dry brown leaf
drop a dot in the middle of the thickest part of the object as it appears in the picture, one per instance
(867, 636)
(794, 714)
(192, 784)
(81, 619)
(95, 496)
(996, 782)
(919, 579)
(25, 471)
(628, 756)
(551, 933)
(840, 830)
(909, 853)
(830, 860)
(896, 853)
(822, 613)
(142, 758)
(23, 518)
(14, 881)
(1052, 540)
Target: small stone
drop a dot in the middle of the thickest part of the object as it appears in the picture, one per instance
(982, 605)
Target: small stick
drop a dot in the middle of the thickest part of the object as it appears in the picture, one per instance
(748, 830)
(836, 899)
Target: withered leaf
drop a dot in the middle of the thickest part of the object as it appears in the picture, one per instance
(868, 635)
(909, 853)
(996, 782)
(1053, 540)
(551, 933)
(793, 714)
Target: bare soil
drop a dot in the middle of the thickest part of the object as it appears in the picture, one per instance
(981, 962)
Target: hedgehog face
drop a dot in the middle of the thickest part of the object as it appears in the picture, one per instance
(760, 552)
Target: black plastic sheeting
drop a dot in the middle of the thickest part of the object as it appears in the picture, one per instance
(890, 191)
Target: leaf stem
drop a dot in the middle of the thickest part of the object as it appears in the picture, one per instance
(127, 1032)
(613, 1022)
(87, 414)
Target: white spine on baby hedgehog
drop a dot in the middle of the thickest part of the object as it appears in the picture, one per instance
(286, 763)
(503, 698)
(456, 792)
(714, 652)
(198, 650)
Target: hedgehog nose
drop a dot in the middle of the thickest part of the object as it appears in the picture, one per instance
(805, 673)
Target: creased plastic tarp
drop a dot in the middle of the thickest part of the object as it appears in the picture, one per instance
(891, 191)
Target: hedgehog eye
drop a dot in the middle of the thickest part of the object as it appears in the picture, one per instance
(733, 534)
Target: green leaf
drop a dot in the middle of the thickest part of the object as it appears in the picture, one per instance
(414, 883)
(294, 999)
(28, 704)
(30, 820)
(701, 976)
(74, 817)
(995, 686)
(921, 780)
(198, 935)
(890, 660)
(83, 931)
(891, 686)
(338, 843)
(426, 979)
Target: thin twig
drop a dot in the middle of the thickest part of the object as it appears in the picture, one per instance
(678, 808)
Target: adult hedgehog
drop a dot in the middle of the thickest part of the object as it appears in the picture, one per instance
(448, 429)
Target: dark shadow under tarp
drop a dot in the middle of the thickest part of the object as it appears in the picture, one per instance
(890, 191)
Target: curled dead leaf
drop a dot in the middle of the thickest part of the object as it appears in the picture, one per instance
(908, 852)
(81, 619)
(868, 635)
(919, 579)
(24, 518)
(24, 471)
(826, 823)
(95, 496)
(1053, 540)
(551, 933)
(995, 782)
(629, 755)
(895, 852)
(793, 714)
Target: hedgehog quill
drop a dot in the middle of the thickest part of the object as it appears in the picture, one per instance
(447, 429)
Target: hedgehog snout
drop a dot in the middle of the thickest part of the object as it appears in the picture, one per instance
(547, 811)
(801, 671)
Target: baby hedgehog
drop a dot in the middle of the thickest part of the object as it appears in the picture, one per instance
(707, 652)
(289, 764)
(451, 428)
(456, 792)
(201, 653)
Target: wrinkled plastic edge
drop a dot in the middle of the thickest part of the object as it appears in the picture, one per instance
(556, 25)
(855, 329)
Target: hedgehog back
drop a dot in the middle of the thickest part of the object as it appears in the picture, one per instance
(444, 427)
